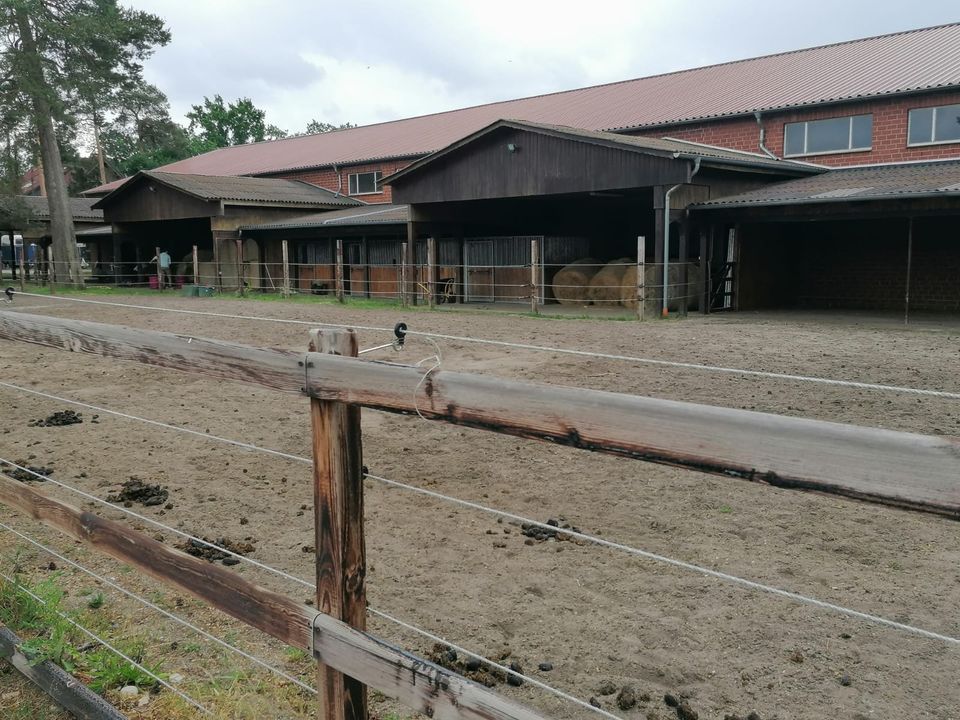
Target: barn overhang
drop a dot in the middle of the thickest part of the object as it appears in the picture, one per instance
(514, 159)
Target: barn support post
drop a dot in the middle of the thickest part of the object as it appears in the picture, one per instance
(195, 259)
(410, 287)
(535, 276)
(736, 250)
(51, 273)
(659, 245)
(23, 251)
(239, 246)
(156, 255)
(705, 273)
(338, 269)
(683, 267)
(906, 293)
(403, 274)
(338, 521)
(285, 250)
(431, 272)
(216, 264)
(641, 276)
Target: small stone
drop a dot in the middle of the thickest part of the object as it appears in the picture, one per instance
(754, 715)
(606, 688)
(595, 702)
(129, 691)
(626, 698)
(845, 680)
(143, 701)
(545, 666)
(51, 566)
(685, 712)
(529, 541)
(472, 664)
(176, 678)
(670, 700)
(243, 521)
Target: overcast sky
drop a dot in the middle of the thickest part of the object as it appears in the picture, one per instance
(367, 61)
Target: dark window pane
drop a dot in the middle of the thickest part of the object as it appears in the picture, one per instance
(862, 131)
(353, 184)
(364, 183)
(921, 125)
(947, 125)
(793, 139)
(827, 135)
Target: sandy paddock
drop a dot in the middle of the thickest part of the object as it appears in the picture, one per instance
(593, 613)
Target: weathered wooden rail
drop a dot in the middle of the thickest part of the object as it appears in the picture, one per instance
(903, 469)
(909, 470)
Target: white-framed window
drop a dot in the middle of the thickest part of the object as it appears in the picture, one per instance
(934, 125)
(364, 183)
(833, 135)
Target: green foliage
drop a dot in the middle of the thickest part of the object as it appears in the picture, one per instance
(220, 124)
(96, 601)
(108, 670)
(315, 127)
(15, 213)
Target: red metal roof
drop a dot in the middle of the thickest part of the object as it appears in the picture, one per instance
(909, 61)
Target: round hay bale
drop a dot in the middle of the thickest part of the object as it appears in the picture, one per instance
(571, 283)
(605, 286)
(653, 276)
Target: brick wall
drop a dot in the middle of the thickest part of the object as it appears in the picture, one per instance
(851, 264)
(328, 178)
(889, 130)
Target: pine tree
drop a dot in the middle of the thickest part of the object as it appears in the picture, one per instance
(56, 56)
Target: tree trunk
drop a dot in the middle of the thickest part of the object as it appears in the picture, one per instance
(61, 218)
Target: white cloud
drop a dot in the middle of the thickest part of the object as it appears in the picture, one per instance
(373, 60)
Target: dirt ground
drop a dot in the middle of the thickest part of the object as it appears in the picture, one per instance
(597, 615)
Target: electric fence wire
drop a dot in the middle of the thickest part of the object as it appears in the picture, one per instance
(96, 638)
(537, 348)
(743, 582)
(172, 616)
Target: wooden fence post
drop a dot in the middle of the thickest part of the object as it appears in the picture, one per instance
(431, 272)
(196, 266)
(338, 270)
(641, 276)
(535, 276)
(338, 519)
(286, 268)
(216, 263)
(403, 274)
(159, 269)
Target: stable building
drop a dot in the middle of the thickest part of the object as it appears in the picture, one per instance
(178, 212)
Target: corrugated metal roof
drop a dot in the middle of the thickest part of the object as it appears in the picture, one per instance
(270, 191)
(909, 61)
(361, 216)
(81, 208)
(657, 146)
(909, 180)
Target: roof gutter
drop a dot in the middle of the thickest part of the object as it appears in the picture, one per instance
(665, 311)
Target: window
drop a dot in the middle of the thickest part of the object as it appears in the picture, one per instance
(365, 183)
(817, 137)
(934, 125)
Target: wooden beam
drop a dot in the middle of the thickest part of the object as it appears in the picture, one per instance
(263, 609)
(71, 694)
(338, 522)
(368, 659)
(338, 269)
(903, 469)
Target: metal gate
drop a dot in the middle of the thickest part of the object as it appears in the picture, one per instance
(478, 263)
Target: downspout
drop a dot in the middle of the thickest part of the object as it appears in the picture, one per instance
(339, 181)
(763, 135)
(665, 312)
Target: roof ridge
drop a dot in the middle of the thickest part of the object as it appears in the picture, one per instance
(598, 85)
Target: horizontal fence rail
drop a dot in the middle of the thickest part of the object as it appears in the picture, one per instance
(903, 469)
(420, 684)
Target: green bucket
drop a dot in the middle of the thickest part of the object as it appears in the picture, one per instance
(206, 291)
(190, 290)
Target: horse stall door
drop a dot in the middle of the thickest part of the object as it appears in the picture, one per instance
(478, 263)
